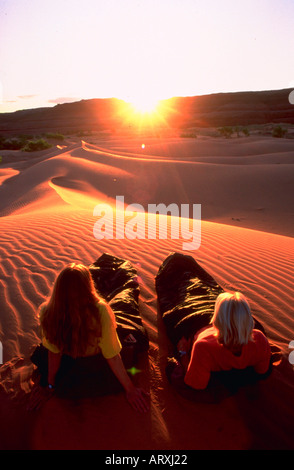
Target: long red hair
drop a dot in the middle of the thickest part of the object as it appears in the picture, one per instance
(71, 316)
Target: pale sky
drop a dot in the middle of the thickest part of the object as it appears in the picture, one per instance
(67, 50)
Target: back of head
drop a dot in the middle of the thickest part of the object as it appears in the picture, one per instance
(232, 319)
(68, 315)
(74, 285)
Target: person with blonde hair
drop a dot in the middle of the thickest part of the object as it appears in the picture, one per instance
(229, 342)
(76, 323)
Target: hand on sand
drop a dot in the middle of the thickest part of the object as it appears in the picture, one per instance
(39, 395)
(137, 398)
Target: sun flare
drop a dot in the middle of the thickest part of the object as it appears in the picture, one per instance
(144, 104)
(144, 111)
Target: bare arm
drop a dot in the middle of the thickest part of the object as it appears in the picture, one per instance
(135, 396)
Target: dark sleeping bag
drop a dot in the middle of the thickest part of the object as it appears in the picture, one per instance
(116, 281)
(186, 296)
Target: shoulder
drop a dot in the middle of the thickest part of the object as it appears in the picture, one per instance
(105, 311)
(259, 337)
(206, 336)
(259, 342)
(205, 342)
(103, 307)
(206, 345)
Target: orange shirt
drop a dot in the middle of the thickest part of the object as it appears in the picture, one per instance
(208, 355)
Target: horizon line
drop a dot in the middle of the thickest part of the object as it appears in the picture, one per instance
(69, 100)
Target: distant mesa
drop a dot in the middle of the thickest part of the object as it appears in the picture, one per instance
(215, 110)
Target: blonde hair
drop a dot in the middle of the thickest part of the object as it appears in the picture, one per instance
(71, 315)
(232, 319)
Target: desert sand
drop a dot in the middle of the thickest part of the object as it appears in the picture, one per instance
(245, 188)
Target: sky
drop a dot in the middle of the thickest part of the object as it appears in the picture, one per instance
(141, 50)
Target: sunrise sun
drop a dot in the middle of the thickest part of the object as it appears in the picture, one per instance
(144, 110)
(144, 104)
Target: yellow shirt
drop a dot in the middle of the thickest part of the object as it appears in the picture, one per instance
(108, 343)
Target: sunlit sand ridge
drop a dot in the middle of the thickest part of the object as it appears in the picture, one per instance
(246, 244)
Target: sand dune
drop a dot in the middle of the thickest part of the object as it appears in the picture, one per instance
(245, 189)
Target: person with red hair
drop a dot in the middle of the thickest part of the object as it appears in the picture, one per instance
(77, 323)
